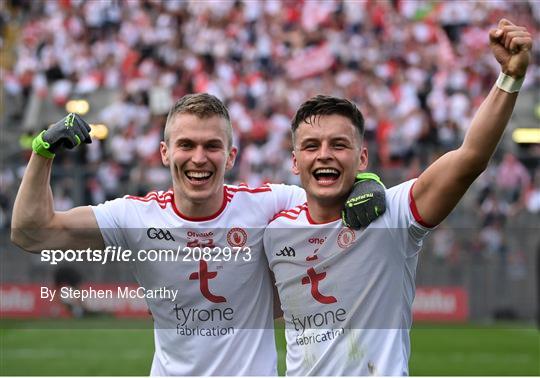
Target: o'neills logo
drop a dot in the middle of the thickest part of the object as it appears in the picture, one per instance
(346, 237)
(236, 237)
(206, 234)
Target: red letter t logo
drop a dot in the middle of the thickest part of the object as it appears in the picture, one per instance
(314, 278)
(203, 275)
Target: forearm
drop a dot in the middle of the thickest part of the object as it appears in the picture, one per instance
(35, 225)
(33, 208)
(440, 187)
(486, 130)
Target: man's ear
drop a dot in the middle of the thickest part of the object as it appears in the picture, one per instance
(231, 158)
(163, 150)
(295, 169)
(363, 162)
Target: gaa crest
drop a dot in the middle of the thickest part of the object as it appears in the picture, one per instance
(236, 237)
(346, 237)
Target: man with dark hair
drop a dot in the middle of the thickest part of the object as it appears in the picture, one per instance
(220, 322)
(347, 294)
(327, 105)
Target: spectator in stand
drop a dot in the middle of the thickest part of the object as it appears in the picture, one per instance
(532, 197)
(512, 179)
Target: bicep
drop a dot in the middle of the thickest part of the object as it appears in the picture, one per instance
(441, 186)
(75, 229)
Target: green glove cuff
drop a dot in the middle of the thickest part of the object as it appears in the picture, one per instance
(344, 220)
(40, 147)
(364, 176)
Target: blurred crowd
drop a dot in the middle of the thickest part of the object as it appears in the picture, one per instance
(418, 70)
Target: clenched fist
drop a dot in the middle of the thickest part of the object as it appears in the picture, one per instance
(68, 133)
(511, 45)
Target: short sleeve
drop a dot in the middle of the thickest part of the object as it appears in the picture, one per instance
(111, 217)
(403, 218)
(287, 196)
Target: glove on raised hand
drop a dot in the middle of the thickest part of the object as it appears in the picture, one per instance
(68, 133)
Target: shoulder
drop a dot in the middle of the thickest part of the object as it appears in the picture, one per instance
(399, 194)
(243, 188)
(400, 188)
(159, 197)
(153, 196)
(401, 208)
(247, 196)
(293, 216)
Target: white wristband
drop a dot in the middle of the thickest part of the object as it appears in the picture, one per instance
(508, 83)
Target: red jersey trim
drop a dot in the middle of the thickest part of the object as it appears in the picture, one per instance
(244, 188)
(228, 193)
(168, 198)
(293, 213)
(162, 199)
(153, 195)
(224, 203)
(414, 209)
(312, 221)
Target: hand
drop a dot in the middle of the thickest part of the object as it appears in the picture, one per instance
(366, 202)
(68, 133)
(511, 47)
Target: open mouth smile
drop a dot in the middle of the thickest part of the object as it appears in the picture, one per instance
(198, 177)
(326, 176)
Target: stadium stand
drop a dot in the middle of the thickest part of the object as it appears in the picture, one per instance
(417, 69)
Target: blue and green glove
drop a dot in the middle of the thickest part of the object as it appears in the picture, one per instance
(68, 133)
(366, 202)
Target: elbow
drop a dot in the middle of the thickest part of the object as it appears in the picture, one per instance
(22, 240)
(475, 169)
(17, 238)
(31, 234)
(472, 164)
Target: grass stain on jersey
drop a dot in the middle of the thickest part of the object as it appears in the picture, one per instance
(355, 352)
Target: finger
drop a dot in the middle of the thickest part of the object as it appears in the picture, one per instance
(354, 222)
(511, 35)
(509, 28)
(84, 134)
(504, 22)
(364, 219)
(71, 141)
(495, 35)
(519, 44)
(345, 218)
(83, 122)
(83, 129)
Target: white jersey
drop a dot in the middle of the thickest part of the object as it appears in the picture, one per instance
(347, 294)
(221, 321)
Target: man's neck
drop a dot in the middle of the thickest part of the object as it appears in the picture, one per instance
(324, 213)
(198, 209)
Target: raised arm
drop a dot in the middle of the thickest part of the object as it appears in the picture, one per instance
(35, 225)
(439, 188)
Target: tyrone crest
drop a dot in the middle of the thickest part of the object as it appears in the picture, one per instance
(236, 237)
(346, 237)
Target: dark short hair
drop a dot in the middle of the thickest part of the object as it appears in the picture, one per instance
(327, 105)
(202, 105)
